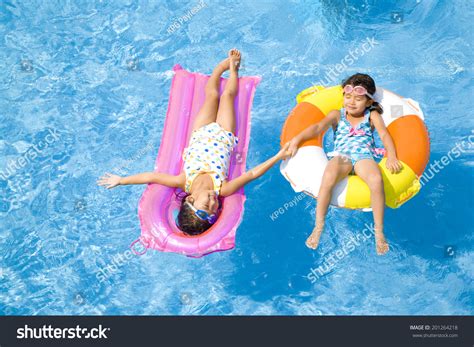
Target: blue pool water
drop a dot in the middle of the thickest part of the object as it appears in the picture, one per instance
(87, 83)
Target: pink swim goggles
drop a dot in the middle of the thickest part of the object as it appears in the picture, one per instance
(357, 90)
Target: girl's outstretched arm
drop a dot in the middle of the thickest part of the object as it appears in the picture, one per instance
(392, 163)
(110, 181)
(313, 131)
(229, 188)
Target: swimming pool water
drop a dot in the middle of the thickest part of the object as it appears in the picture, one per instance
(84, 90)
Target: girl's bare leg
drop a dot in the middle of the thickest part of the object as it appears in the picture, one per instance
(337, 168)
(208, 112)
(368, 170)
(226, 112)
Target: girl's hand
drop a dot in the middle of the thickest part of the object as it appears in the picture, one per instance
(293, 148)
(393, 165)
(284, 152)
(109, 181)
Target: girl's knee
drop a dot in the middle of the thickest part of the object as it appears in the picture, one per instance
(375, 182)
(229, 94)
(212, 93)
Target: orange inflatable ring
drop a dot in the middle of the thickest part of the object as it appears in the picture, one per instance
(405, 123)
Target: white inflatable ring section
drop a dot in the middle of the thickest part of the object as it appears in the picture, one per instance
(308, 165)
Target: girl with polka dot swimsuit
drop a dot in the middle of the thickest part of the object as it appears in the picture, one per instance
(207, 157)
(209, 151)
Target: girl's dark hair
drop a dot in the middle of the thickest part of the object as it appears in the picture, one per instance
(364, 80)
(187, 221)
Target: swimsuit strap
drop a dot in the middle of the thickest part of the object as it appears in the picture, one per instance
(343, 116)
(346, 121)
(367, 116)
(343, 122)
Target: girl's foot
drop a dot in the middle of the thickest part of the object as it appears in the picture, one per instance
(381, 245)
(234, 59)
(313, 240)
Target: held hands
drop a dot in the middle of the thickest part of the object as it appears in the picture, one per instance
(393, 165)
(289, 149)
(109, 181)
(284, 152)
(293, 148)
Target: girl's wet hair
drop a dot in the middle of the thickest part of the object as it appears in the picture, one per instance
(364, 80)
(187, 221)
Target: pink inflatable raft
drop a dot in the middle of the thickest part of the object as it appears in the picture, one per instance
(158, 205)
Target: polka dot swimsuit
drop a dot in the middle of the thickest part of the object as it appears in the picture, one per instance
(209, 151)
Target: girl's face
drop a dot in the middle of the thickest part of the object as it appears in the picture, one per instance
(205, 200)
(356, 104)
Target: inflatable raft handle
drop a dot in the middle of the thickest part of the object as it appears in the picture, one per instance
(177, 67)
(135, 251)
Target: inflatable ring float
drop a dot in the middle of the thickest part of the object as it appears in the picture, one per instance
(405, 123)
